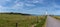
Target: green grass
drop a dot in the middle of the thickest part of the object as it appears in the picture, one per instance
(10, 20)
(40, 24)
(57, 17)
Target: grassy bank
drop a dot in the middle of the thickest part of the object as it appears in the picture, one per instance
(40, 24)
(10, 20)
(57, 17)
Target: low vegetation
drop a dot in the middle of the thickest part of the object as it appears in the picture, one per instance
(57, 17)
(40, 24)
(10, 20)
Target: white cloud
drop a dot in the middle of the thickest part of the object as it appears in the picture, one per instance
(16, 1)
(35, 1)
(1, 7)
(55, 5)
(57, 12)
(29, 4)
(38, 1)
(8, 0)
(4, 1)
(18, 5)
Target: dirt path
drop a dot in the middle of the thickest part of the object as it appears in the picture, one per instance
(52, 22)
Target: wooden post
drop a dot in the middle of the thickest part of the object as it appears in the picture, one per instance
(16, 24)
(37, 19)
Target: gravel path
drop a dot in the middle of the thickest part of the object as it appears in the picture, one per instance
(52, 22)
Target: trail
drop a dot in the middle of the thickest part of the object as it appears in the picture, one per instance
(52, 22)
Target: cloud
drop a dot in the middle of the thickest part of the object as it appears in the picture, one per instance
(3, 1)
(19, 5)
(38, 1)
(8, 0)
(2, 8)
(29, 4)
(57, 12)
(56, 6)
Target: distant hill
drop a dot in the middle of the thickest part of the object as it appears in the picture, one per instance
(16, 13)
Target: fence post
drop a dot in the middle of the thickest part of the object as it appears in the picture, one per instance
(37, 19)
(16, 24)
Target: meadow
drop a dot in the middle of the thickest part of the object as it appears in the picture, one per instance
(57, 17)
(10, 20)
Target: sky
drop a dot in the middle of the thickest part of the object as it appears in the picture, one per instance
(37, 7)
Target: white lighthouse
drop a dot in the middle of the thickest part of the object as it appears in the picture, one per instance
(46, 12)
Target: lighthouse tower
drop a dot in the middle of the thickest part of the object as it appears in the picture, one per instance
(46, 12)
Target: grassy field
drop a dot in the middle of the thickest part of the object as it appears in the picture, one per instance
(57, 17)
(10, 20)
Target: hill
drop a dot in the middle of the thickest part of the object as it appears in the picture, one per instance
(16, 13)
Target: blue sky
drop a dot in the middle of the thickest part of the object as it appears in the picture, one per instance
(31, 6)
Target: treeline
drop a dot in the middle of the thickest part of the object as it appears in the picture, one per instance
(16, 13)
